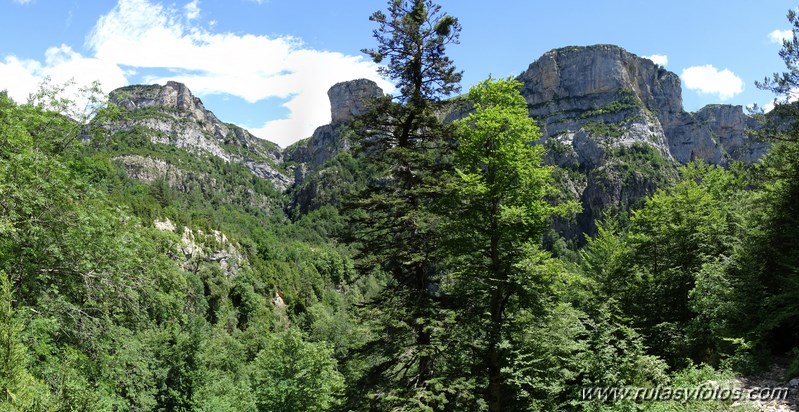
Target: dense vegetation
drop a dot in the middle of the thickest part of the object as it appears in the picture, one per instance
(419, 279)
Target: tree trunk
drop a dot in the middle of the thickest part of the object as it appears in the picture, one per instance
(496, 308)
(493, 356)
(423, 335)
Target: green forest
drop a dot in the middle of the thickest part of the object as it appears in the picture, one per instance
(427, 275)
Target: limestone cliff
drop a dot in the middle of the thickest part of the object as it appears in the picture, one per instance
(316, 182)
(350, 99)
(347, 101)
(728, 125)
(176, 117)
(617, 121)
(619, 98)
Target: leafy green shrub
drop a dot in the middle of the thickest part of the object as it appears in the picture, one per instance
(603, 129)
(290, 375)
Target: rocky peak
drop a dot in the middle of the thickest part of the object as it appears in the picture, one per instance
(348, 99)
(172, 96)
(598, 98)
(596, 74)
(176, 117)
(632, 98)
(618, 119)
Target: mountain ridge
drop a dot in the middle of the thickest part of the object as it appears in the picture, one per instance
(613, 122)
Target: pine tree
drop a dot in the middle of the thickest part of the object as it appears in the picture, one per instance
(397, 217)
(784, 85)
(773, 251)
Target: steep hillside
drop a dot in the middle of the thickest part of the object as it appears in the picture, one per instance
(151, 267)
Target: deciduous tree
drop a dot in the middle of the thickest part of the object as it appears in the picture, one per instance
(499, 218)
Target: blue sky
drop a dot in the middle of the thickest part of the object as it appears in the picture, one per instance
(266, 65)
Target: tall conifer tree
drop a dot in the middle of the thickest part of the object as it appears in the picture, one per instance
(396, 227)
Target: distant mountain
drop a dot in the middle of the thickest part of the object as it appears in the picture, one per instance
(171, 115)
(612, 122)
(615, 122)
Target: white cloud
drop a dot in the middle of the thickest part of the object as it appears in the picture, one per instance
(18, 77)
(61, 64)
(192, 9)
(22, 1)
(141, 34)
(659, 59)
(709, 80)
(777, 36)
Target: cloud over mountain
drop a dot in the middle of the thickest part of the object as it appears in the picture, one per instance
(142, 35)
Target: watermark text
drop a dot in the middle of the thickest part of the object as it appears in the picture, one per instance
(703, 392)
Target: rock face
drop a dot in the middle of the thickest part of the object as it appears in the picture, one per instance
(316, 182)
(610, 114)
(173, 96)
(149, 169)
(316, 150)
(728, 124)
(178, 118)
(632, 100)
(349, 99)
(197, 247)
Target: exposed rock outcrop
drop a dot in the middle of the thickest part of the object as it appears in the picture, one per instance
(632, 100)
(172, 96)
(349, 99)
(150, 169)
(602, 108)
(178, 118)
(197, 247)
(318, 149)
(313, 183)
(728, 124)
(214, 247)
